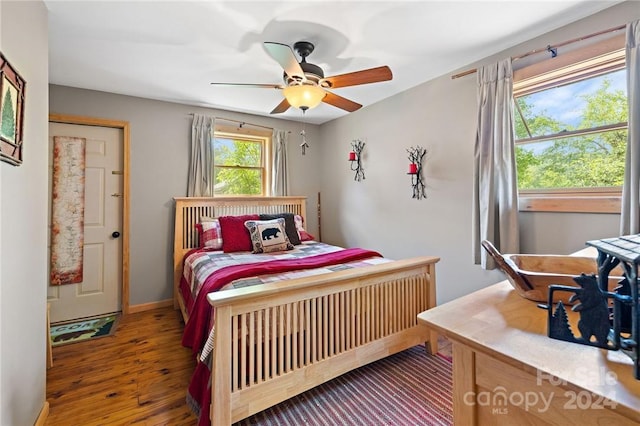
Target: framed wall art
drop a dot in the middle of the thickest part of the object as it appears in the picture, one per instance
(12, 93)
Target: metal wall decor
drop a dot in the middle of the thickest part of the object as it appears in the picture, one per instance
(355, 156)
(304, 145)
(12, 93)
(416, 156)
(608, 319)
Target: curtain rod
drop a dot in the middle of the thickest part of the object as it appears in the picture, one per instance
(552, 49)
(242, 123)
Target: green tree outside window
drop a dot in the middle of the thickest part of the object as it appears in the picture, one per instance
(591, 159)
(238, 167)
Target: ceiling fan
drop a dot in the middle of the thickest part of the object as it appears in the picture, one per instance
(305, 85)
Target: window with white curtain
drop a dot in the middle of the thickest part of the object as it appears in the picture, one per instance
(571, 129)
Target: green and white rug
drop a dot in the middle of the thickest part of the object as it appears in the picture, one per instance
(83, 329)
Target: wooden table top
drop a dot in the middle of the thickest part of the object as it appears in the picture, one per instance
(499, 322)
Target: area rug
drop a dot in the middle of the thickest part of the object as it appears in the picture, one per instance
(83, 329)
(409, 388)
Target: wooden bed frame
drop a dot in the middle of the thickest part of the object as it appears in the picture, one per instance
(277, 340)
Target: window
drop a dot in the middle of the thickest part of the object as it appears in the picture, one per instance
(571, 133)
(240, 164)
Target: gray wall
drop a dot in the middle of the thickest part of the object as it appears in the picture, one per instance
(441, 116)
(160, 137)
(23, 223)
(564, 232)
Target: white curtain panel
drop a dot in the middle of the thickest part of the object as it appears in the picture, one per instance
(201, 180)
(279, 170)
(630, 217)
(495, 191)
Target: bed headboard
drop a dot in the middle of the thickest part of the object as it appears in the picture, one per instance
(190, 209)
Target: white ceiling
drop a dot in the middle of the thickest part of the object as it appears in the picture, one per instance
(172, 50)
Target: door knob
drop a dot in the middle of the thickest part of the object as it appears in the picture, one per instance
(115, 234)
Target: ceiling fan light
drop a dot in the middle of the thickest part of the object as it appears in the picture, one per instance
(304, 96)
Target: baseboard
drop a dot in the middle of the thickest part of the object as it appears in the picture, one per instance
(149, 306)
(44, 413)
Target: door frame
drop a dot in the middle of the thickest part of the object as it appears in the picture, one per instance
(124, 126)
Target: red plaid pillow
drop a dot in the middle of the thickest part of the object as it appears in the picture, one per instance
(210, 234)
(304, 235)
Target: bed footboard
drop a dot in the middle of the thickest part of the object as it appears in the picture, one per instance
(278, 340)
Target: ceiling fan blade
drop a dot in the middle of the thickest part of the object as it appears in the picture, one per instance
(340, 102)
(282, 107)
(372, 75)
(284, 55)
(265, 86)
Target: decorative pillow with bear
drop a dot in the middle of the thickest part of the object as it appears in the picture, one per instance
(268, 236)
(304, 235)
(289, 225)
(210, 233)
(235, 236)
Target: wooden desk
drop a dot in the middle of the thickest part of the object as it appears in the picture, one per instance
(507, 371)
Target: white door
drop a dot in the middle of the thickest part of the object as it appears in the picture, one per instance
(101, 288)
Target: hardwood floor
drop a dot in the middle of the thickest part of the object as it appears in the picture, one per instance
(139, 375)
